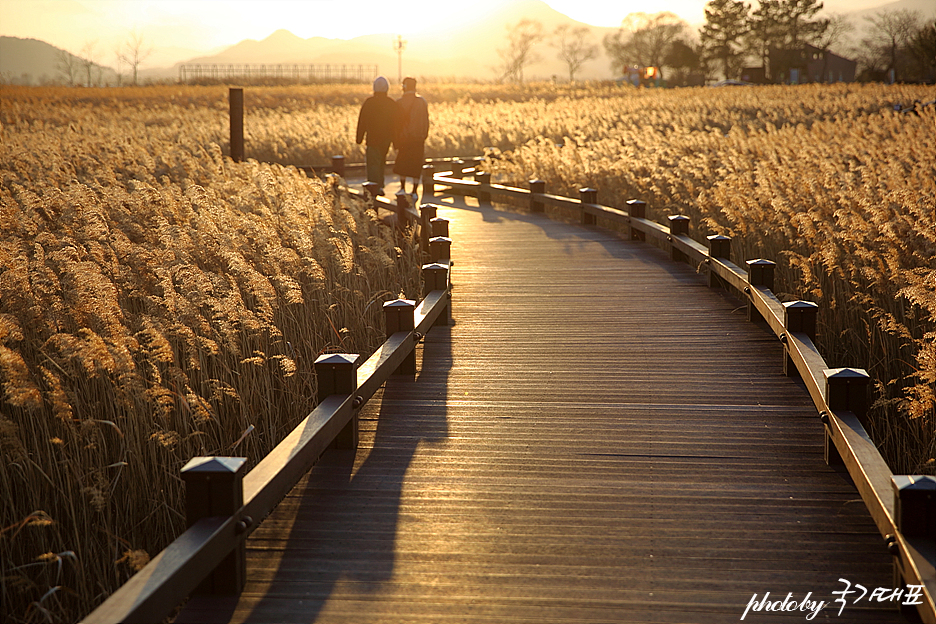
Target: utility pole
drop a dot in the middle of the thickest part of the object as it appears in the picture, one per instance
(399, 45)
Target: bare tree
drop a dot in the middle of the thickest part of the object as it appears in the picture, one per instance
(519, 53)
(889, 35)
(87, 61)
(67, 65)
(574, 47)
(644, 39)
(134, 52)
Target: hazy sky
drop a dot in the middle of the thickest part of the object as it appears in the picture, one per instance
(208, 24)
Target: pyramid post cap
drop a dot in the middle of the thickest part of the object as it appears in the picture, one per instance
(400, 303)
(913, 482)
(337, 358)
(229, 465)
(846, 374)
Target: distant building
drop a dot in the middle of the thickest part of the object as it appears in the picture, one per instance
(802, 65)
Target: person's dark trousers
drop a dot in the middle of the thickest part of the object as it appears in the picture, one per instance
(376, 159)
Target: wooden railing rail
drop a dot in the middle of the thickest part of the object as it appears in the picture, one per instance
(223, 506)
(903, 507)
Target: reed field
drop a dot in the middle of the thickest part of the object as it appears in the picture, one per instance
(159, 301)
(828, 181)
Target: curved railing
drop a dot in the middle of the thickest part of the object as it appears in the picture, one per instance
(224, 505)
(902, 506)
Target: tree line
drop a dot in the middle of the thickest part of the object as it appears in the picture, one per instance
(897, 45)
(86, 69)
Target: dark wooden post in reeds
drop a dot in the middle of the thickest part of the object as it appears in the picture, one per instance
(236, 101)
(214, 487)
(587, 196)
(336, 373)
(637, 209)
(798, 317)
(398, 316)
(678, 226)
(719, 247)
(436, 277)
(537, 187)
(338, 165)
(484, 179)
(846, 389)
(760, 273)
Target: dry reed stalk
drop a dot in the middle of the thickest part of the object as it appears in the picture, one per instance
(157, 301)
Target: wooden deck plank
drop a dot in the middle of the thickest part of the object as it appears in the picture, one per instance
(598, 438)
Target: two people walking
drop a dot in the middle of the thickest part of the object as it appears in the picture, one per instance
(403, 123)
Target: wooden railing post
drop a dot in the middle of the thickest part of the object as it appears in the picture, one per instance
(588, 195)
(799, 317)
(915, 505)
(427, 212)
(678, 226)
(846, 389)
(398, 316)
(338, 165)
(760, 273)
(537, 187)
(719, 247)
(428, 180)
(236, 102)
(439, 227)
(436, 277)
(637, 209)
(402, 203)
(440, 248)
(336, 373)
(371, 189)
(484, 179)
(458, 169)
(214, 487)
(915, 519)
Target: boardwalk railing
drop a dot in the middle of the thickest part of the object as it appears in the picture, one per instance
(903, 507)
(223, 505)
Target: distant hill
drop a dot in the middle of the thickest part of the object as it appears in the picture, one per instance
(926, 8)
(30, 61)
(463, 50)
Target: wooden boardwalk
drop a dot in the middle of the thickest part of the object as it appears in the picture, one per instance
(599, 437)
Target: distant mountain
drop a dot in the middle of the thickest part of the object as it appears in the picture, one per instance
(34, 62)
(926, 9)
(463, 50)
(30, 61)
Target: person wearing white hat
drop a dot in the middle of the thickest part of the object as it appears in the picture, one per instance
(376, 125)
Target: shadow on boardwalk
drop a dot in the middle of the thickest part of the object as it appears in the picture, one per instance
(343, 534)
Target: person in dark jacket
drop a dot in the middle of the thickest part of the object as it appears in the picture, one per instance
(412, 130)
(377, 123)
